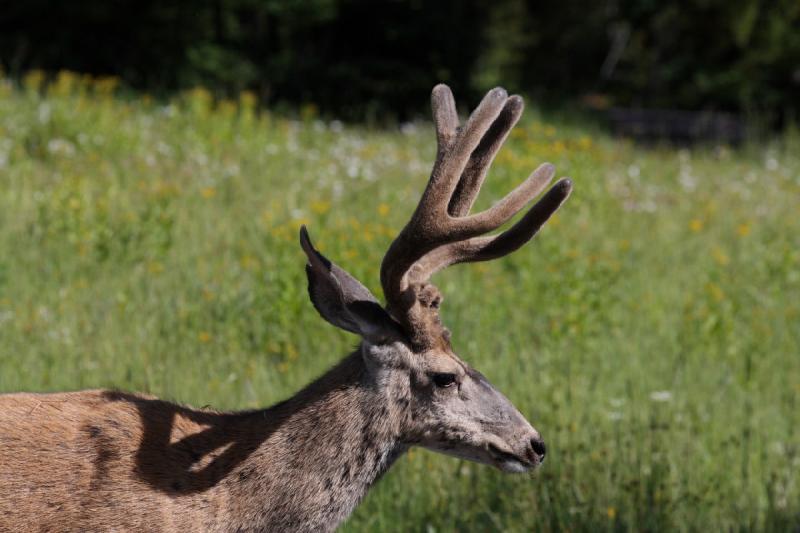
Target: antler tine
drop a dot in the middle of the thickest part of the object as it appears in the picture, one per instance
(505, 209)
(445, 115)
(491, 247)
(481, 159)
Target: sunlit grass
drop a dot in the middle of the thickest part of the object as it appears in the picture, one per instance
(651, 332)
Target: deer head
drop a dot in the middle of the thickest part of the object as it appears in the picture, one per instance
(437, 400)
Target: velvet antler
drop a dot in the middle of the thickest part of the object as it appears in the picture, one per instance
(441, 231)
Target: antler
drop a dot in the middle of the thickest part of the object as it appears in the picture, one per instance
(441, 231)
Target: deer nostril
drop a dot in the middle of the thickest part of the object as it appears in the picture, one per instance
(539, 448)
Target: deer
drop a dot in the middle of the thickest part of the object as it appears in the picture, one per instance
(106, 460)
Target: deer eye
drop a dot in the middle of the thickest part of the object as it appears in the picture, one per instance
(444, 379)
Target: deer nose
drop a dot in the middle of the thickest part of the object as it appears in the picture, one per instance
(539, 449)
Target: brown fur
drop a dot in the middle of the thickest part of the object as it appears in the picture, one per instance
(111, 461)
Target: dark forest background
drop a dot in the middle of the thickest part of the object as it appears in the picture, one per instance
(357, 59)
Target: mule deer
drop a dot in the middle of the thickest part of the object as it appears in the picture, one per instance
(112, 461)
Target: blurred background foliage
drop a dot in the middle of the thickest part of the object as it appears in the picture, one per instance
(361, 59)
(650, 331)
(148, 233)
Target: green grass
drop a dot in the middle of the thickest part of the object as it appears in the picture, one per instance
(651, 331)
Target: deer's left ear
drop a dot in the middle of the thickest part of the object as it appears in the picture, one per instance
(342, 300)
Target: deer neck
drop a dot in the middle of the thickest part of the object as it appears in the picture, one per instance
(333, 440)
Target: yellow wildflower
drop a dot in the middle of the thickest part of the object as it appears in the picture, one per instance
(297, 222)
(720, 256)
(249, 262)
(716, 291)
(291, 352)
(204, 337)
(208, 192)
(611, 513)
(33, 80)
(105, 85)
(309, 111)
(696, 225)
(273, 347)
(248, 100)
(743, 230)
(320, 207)
(227, 108)
(383, 209)
(66, 82)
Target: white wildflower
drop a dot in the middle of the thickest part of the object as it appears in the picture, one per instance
(408, 128)
(44, 113)
(771, 161)
(60, 147)
(6, 316)
(661, 396)
(686, 179)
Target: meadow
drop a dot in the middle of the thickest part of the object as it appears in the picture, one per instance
(651, 331)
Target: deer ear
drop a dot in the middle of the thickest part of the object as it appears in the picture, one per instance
(342, 300)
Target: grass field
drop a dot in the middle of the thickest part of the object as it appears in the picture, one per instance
(651, 331)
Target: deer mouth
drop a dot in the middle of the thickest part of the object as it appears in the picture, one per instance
(507, 461)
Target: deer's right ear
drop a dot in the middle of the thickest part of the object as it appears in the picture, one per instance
(342, 300)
